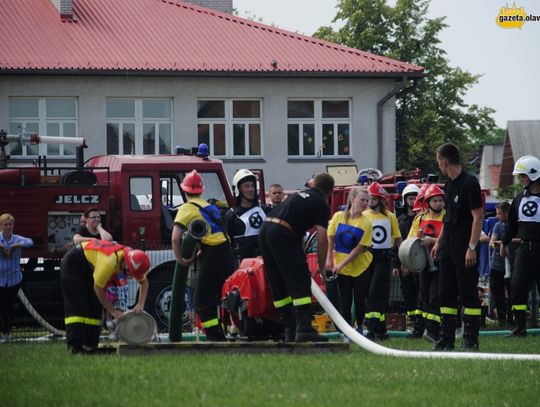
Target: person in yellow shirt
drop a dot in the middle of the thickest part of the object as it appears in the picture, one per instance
(85, 272)
(385, 236)
(349, 241)
(216, 256)
(427, 226)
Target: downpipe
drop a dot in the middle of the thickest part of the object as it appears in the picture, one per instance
(377, 349)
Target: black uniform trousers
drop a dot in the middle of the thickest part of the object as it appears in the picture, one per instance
(498, 286)
(82, 309)
(379, 283)
(525, 271)
(409, 288)
(216, 265)
(356, 287)
(456, 280)
(285, 265)
(8, 297)
(429, 292)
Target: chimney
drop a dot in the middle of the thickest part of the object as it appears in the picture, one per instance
(224, 6)
(65, 8)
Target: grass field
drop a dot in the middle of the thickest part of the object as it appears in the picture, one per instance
(44, 374)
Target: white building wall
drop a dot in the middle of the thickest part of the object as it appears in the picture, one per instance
(292, 173)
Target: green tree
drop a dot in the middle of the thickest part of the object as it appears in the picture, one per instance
(434, 113)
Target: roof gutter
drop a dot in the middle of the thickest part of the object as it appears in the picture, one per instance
(399, 90)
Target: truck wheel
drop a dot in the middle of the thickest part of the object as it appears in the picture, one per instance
(159, 297)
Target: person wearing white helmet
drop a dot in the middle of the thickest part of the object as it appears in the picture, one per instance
(409, 282)
(524, 222)
(246, 217)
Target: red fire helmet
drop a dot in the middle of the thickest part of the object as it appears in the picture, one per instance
(137, 262)
(375, 189)
(419, 202)
(193, 183)
(432, 191)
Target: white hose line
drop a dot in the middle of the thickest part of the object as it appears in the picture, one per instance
(32, 311)
(372, 347)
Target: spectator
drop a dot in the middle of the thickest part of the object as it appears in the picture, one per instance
(276, 196)
(10, 270)
(92, 229)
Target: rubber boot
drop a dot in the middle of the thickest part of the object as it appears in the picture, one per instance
(470, 332)
(289, 322)
(433, 331)
(447, 335)
(381, 332)
(371, 325)
(520, 331)
(304, 331)
(419, 325)
(215, 334)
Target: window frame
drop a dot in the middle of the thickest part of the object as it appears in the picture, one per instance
(318, 121)
(139, 122)
(229, 122)
(43, 121)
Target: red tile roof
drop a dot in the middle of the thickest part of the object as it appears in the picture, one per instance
(169, 37)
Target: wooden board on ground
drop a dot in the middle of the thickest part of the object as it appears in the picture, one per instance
(223, 347)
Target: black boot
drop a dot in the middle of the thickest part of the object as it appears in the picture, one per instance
(419, 325)
(289, 322)
(381, 332)
(520, 331)
(304, 331)
(433, 330)
(447, 334)
(215, 334)
(371, 325)
(471, 326)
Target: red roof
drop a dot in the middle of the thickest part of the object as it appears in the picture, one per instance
(169, 36)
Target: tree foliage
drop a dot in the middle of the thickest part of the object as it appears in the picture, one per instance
(435, 112)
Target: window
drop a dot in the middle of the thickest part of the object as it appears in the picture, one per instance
(230, 128)
(53, 117)
(318, 128)
(140, 192)
(139, 126)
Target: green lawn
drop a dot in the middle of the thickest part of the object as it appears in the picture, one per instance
(44, 374)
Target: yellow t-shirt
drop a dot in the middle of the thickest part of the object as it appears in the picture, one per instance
(385, 229)
(438, 219)
(187, 213)
(348, 235)
(104, 266)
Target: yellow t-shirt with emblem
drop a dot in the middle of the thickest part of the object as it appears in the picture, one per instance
(349, 234)
(104, 266)
(385, 229)
(187, 213)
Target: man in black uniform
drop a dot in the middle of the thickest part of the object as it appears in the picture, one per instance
(456, 249)
(524, 221)
(281, 244)
(409, 282)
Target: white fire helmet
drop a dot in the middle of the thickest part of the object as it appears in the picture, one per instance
(241, 176)
(528, 165)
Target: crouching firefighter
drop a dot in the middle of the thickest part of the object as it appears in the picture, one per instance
(281, 244)
(524, 221)
(216, 255)
(85, 272)
(245, 219)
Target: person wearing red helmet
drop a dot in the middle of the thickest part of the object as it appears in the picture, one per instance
(427, 226)
(385, 237)
(85, 272)
(216, 257)
(456, 250)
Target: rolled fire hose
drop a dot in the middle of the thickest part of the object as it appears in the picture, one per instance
(196, 231)
(412, 255)
(372, 347)
(32, 311)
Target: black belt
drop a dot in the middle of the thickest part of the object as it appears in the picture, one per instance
(530, 245)
(281, 222)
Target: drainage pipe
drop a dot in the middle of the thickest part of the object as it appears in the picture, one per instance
(377, 349)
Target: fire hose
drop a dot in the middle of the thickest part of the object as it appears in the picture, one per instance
(196, 230)
(32, 311)
(377, 349)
